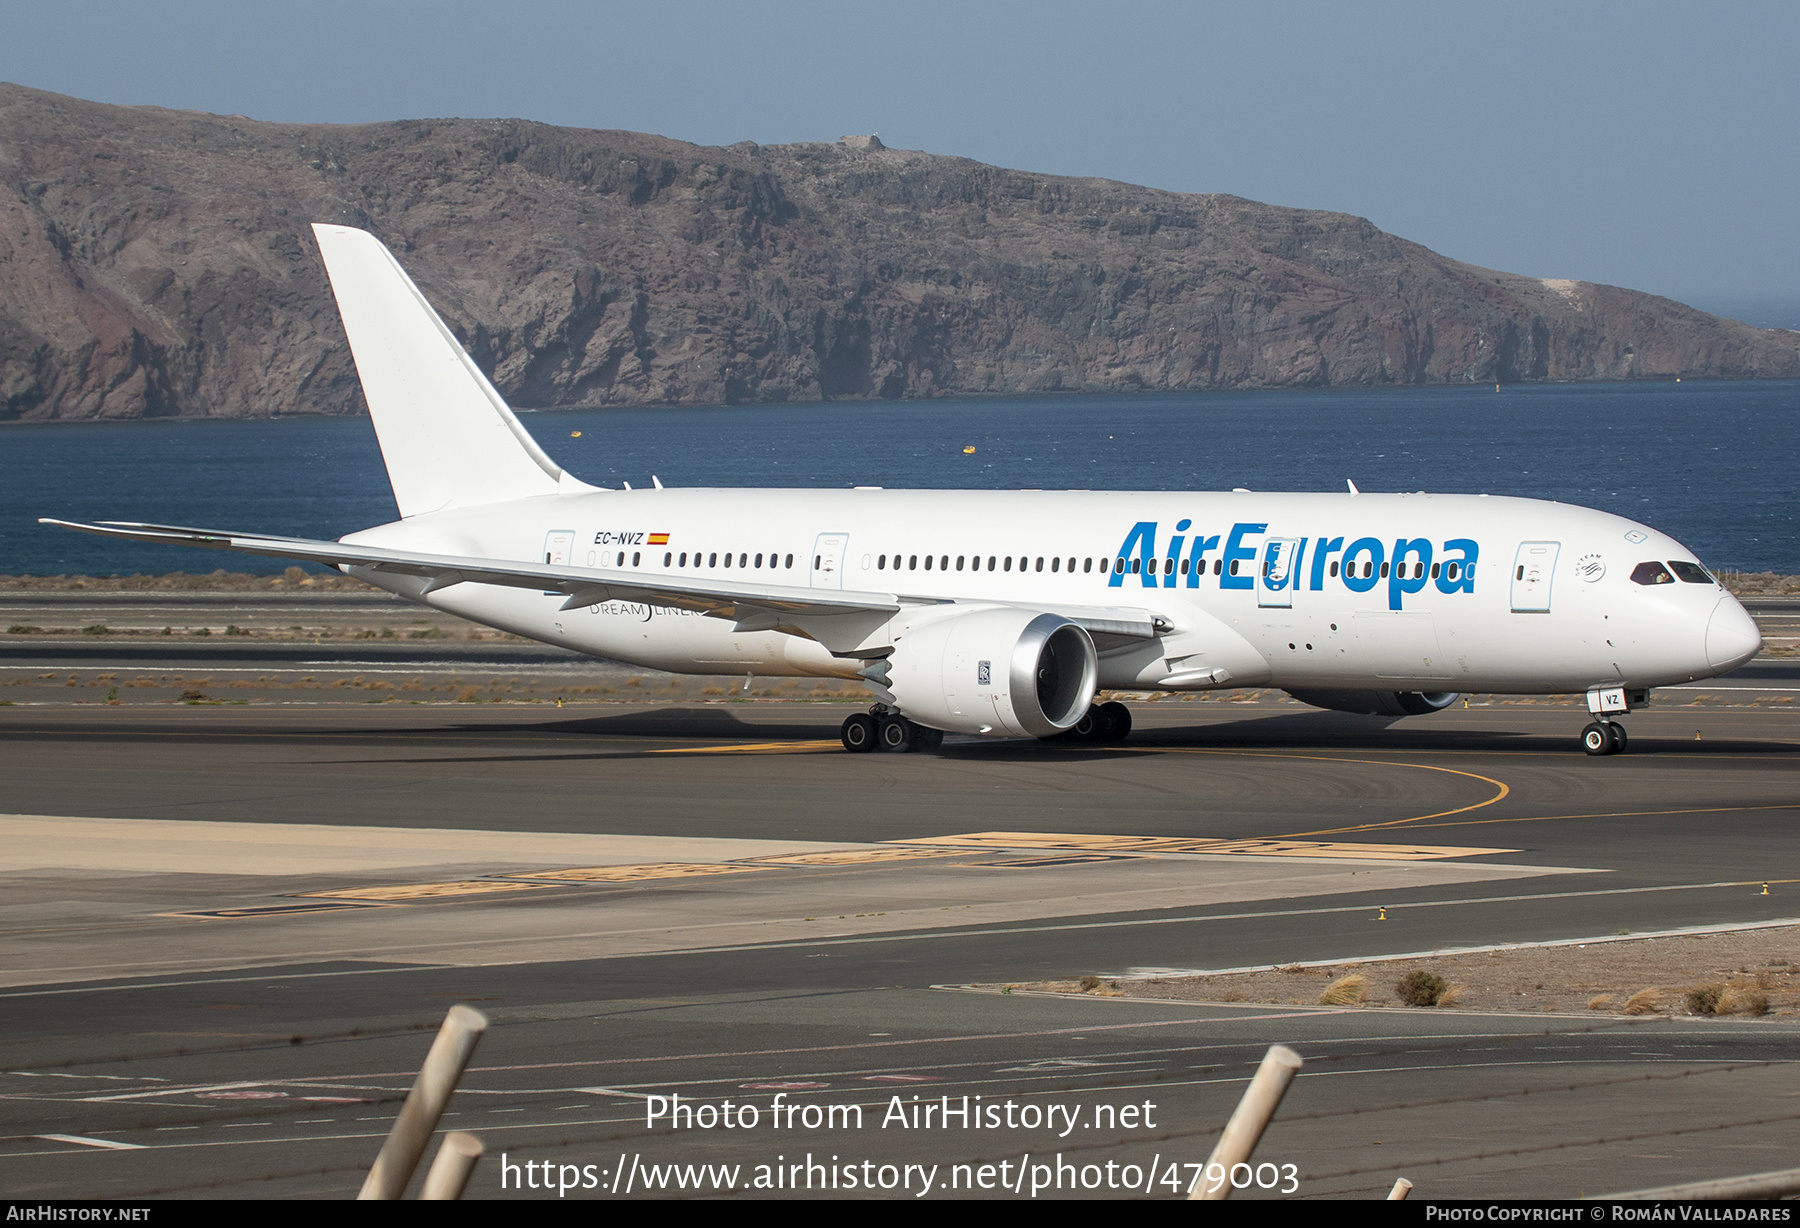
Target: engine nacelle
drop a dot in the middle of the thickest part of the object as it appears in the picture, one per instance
(995, 670)
(1379, 703)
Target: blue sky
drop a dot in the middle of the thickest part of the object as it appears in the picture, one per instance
(1650, 145)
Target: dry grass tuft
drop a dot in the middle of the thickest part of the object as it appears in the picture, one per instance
(1600, 1002)
(470, 695)
(1452, 995)
(1643, 1002)
(1742, 1000)
(1346, 991)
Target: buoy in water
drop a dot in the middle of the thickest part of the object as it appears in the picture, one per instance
(574, 434)
(969, 451)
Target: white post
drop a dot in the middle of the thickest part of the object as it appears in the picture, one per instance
(1402, 1187)
(1245, 1129)
(450, 1171)
(450, 1053)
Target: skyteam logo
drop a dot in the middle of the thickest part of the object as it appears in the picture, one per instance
(1254, 560)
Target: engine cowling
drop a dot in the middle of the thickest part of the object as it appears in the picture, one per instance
(1380, 703)
(995, 670)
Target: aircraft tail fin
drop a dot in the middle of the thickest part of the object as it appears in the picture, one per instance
(448, 438)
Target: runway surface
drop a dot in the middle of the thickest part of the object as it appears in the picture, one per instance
(230, 929)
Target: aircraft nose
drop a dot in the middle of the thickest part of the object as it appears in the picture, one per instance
(1732, 637)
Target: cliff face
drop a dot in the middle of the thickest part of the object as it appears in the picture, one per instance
(158, 263)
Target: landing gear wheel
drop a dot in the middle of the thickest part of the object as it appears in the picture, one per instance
(1087, 729)
(1597, 739)
(925, 739)
(1114, 721)
(858, 733)
(896, 734)
(1618, 737)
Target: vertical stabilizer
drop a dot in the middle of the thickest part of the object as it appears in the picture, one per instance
(446, 435)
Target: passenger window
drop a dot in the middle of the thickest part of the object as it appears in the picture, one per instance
(1450, 571)
(990, 562)
(881, 562)
(1434, 570)
(1652, 572)
(666, 559)
(712, 560)
(1087, 566)
(728, 560)
(1137, 565)
(1217, 563)
(759, 560)
(1006, 563)
(621, 562)
(684, 558)
(928, 562)
(1334, 569)
(1184, 566)
(1690, 573)
(912, 563)
(1119, 565)
(944, 563)
(1055, 564)
(1234, 563)
(743, 559)
(1384, 571)
(790, 561)
(959, 562)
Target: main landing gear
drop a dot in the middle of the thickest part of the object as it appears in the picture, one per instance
(1107, 722)
(887, 731)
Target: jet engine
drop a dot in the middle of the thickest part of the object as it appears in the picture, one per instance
(994, 670)
(1379, 703)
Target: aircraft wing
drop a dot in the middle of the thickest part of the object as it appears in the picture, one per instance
(753, 606)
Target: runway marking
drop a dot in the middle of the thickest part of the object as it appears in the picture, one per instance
(107, 1143)
(1729, 927)
(1256, 847)
(634, 874)
(849, 857)
(263, 910)
(1071, 859)
(424, 891)
(755, 748)
(1605, 814)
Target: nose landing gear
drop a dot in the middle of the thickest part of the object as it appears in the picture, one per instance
(1605, 736)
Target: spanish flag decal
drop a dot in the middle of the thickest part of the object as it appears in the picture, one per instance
(659, 539)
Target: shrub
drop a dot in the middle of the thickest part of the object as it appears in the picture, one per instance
(1345, 991)
(1643, 1002)
(1421, 988)
(97, 629)
(1704, 999)
(20, 629)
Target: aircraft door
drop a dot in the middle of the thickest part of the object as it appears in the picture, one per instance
(829, 552)
(1534, 570)
(1275, 575)
(558, 545)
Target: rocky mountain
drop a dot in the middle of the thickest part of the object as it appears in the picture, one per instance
(158, 263)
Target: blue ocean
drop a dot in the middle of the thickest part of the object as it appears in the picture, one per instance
(1715, 464)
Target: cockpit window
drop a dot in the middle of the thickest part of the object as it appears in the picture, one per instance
(1652, 572)
(1690, 573)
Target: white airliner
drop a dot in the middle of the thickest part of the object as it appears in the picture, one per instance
(997, 612)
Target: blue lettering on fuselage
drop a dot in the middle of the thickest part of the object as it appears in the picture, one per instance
(1406, 565)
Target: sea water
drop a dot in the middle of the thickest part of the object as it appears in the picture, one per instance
(1716, 464)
